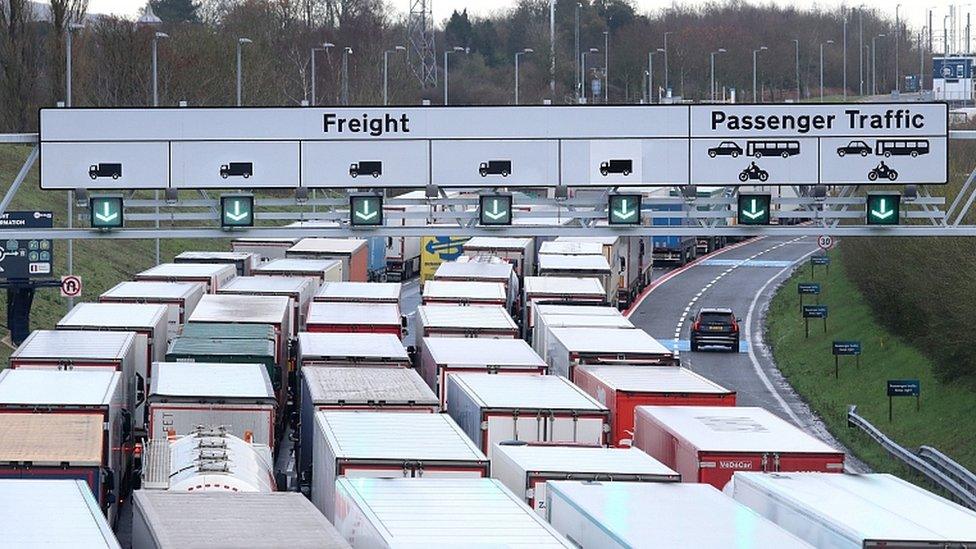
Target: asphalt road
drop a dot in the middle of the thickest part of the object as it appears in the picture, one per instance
(743, 277)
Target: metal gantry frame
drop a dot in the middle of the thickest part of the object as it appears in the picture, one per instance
(839, 212)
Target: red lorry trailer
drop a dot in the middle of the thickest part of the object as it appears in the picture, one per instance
(353, 252)
(298, 289)
(708, 444)
(180, 299)
(351, 350)
(212, 275)
(624, 388)
(570, 348)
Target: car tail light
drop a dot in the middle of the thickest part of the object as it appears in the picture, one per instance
(696, 326)
(735, 326)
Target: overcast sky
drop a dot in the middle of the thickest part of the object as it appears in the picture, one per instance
(912, 10)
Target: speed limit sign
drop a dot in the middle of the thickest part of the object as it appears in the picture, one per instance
(70, 286)
(825, 242)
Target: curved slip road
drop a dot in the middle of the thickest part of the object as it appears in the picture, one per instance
(743, 277)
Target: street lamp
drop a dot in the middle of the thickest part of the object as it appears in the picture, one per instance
(346, 52)
(67, 58)
(325, 47)
(650, 74)
(240, 43)
(667, 83)
(822, 66)
(845, 54)
(576, 51)
(897, 39)
(517, 54)
(386, 66)
(712, 55)
(754, 70)
(797, 44)
(583, 71)
(155, 81)
(456, 49)
(606, 66)
(874, 64)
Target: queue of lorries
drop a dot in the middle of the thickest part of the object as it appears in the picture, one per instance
(528, 412)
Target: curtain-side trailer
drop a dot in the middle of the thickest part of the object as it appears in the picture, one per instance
(388, 445)
(180, 299)
(360, 350)
(624, 388)
(580, 266)
(319, 271)
(184, 395)
(359, 292)
(442, 356)
(149, 322)
(268, 249)
(373, 318)
(211, 275)
(708, 444)
(569, 348)
(451, 292)
(580, 316)
(298, 289)
(532, 408)
(621, 515)
(553, 290)
(630, 260)
(350, 389)
(518, 251)
(244, 262)
(525, 469)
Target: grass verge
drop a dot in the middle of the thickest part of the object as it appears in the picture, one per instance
(945, 417)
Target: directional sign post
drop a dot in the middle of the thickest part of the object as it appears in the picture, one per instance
(814, 311)
(904, 387)
(495, 209)
(845, 348)
(883, 208)
(106, 212)
(754, 209)
(365, 210)
(808, 288)
(624, 209)
(237, 210)
(819, 260)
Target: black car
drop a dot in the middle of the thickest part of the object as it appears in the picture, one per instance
(725, 148)
(715, 326)
(854, 147)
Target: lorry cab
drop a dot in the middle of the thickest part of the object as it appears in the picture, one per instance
(366, 167)
(495, 167)
(106, 169)
(623, 167)
(237, 169)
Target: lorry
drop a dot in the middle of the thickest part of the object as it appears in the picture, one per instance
(558, 289)
(580, 266)
(623, 388)
(529, 407)
(78, 350)
(489, 322)
(569, 348)
(451, 292)
(267, 248)
(353, 252)
(403, 252)
(80, 522)
(442, 356)
(670, 249)
(105, 169)
(318, 270)
(234, 351)
(482, 269)
(623, 167)
(64, 446)
(526, 469)
(373, 318)
(708, 444)
(148, 322)
(630, 262)
(208, 459)
(180, 299)
(298, 289)
(211, 275)
(548, 317)
(388, 445)
(853, 511)
(240, 397)
(365, 388)
(519, 251)
(495, 167)
(619, 515)
(361, 350)
(237, 169)
(359, 292)
(366, 167)
(244, 262)
(464, 512)
(175, 520)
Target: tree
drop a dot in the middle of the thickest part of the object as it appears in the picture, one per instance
(176, 11)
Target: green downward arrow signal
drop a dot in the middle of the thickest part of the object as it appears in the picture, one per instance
(882, 212)
(495, 213)
(237, 214)
(365, 214)
(753, 212)
(106, 215)
(624, 213)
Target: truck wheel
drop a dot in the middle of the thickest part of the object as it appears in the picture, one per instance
(504, 174)
(483, 173)
(93, 176)
(354, 174)
(376, 174)
(115, 176)
(246, 175)
(603, 172)
(223, 175)
(626, 173)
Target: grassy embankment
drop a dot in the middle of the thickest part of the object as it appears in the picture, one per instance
(945, 418)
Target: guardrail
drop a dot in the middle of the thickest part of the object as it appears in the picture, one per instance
(936, 466)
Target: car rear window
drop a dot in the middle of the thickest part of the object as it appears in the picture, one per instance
(716, 318)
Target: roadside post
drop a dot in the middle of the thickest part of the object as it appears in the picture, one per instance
(902, 388)
(846, 348)
(823, 259)
(814, 311)
(808, 288)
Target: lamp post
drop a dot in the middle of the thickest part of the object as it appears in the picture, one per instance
(517, 55)
(576, 51)
(583, 71)
(796, 43)
(667, 82)
(874, 64)
(860, 47)
(822, 67)
(712, 55)
(346, 52)
(606, 66)
(67, 61)
(386, 71)
(325, 47)
(155, 81)
(754, 71)
(456, 49)
(240, 43)
(897, 45)
(845, 53)
(650, 74)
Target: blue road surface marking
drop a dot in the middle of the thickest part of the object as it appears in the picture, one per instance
(683, 345)
(745, 263)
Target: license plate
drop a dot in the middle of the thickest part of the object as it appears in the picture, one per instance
(716, 328)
